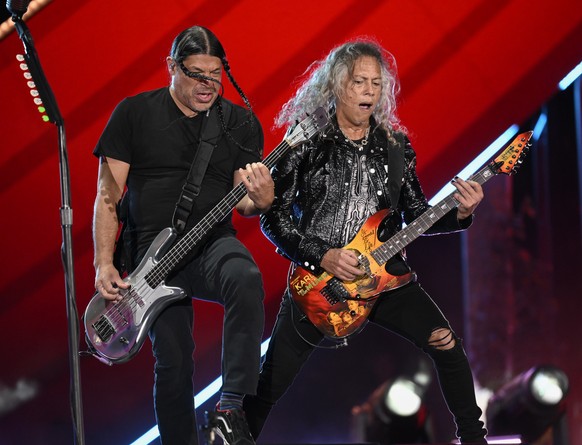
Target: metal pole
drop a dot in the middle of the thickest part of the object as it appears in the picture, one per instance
(66, 216)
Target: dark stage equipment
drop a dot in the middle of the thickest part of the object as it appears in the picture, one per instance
(46, 104)
(532, 406)
(394, 414)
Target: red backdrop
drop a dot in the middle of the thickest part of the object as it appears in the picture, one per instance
(468, 70)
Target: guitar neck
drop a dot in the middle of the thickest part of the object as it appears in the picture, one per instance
(177, 253)
(425, 221)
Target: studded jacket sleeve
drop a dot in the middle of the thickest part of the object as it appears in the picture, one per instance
(310, 188)
(282, 223)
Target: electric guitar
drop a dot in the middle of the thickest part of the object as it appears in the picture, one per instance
(338, 308)
(115, 332)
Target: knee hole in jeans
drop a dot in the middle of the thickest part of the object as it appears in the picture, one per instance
(442, 339)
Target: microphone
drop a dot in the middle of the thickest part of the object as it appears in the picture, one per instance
(17, 7)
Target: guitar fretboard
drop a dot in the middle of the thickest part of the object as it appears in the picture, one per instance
(177, 253)
(425, 221)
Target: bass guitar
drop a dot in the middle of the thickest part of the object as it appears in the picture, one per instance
(116, 331)
(338, 308)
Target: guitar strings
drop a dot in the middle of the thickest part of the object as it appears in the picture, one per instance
(121, 313)
(394, 245)
(177, 253)
(117, 313)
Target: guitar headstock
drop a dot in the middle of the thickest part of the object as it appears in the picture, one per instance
(308, 127)
(510, 159)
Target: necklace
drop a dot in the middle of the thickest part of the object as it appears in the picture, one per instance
(362, 143)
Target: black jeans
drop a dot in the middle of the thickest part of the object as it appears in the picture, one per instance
(407, 311)
(226, 273)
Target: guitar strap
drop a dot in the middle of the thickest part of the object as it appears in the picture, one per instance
(391, 180)
(209, 135)
(121, 258)
(396, 170)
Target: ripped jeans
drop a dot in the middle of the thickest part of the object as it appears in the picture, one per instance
(408, 312)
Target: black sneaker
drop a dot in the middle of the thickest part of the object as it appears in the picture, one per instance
(230, 425)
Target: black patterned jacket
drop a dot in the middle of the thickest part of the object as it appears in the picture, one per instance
(310, 193)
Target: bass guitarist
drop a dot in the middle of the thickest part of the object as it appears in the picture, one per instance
(150, 145)
(325, 192)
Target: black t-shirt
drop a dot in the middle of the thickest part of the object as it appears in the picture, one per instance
(150, 132)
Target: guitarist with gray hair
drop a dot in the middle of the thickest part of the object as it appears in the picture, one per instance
(326, 193)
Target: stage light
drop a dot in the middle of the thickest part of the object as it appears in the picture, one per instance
(570, 77)
(478, 162)
(540, 126)
(530, 405)
(403, 397)
(394, 413)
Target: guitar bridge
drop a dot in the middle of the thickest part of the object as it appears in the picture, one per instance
(334, 291)
(104, 329)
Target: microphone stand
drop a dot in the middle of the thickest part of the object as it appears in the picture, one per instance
(66, 214)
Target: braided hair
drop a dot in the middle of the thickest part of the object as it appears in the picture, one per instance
(200, 40)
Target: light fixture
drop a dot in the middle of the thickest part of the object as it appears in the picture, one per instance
(478, 162)
(570, 77)
(530, 405)
(394, 413)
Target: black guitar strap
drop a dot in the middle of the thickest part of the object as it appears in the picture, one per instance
(209, 135)
(211, 131)
(391, 180)
(396, 170)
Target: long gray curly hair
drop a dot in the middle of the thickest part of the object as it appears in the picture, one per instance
(324, 84)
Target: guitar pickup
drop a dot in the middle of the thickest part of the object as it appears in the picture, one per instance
(329, 295)
(334, 291)
(104, 329)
